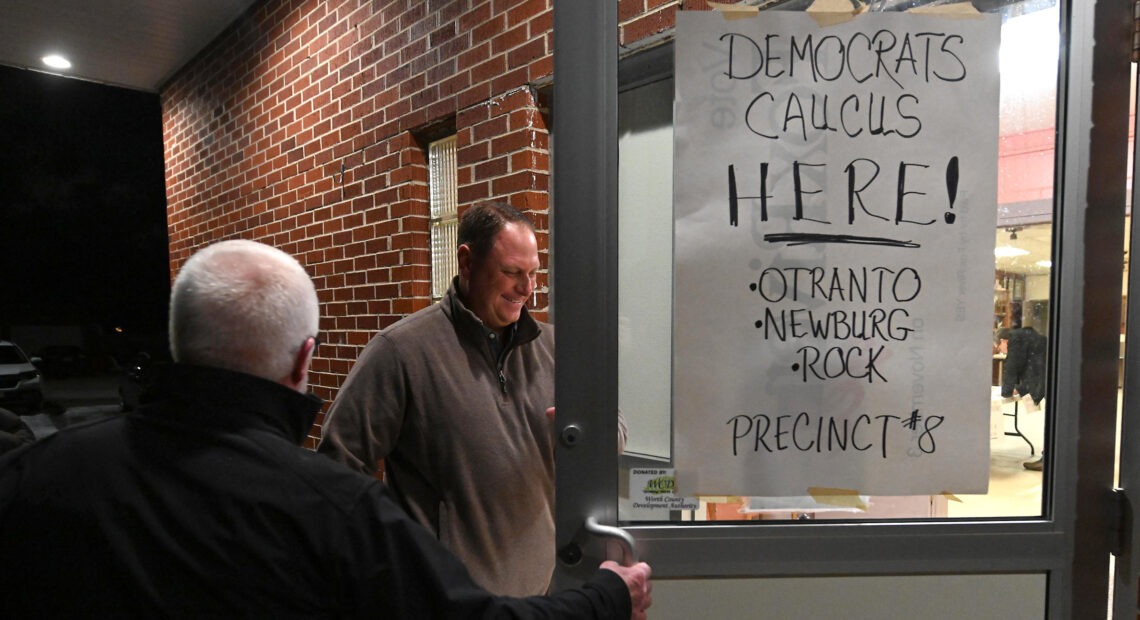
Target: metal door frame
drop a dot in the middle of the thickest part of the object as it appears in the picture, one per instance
(1127, 568)
(1070, 543)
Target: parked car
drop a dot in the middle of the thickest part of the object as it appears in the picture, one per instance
(61, 361)
(21, 387)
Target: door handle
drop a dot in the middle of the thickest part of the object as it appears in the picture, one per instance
(622, 537)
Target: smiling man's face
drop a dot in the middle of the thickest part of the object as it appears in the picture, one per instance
(499, 284)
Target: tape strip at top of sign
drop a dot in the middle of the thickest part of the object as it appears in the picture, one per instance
(831, 12)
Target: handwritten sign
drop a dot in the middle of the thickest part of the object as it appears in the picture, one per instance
(835, 208)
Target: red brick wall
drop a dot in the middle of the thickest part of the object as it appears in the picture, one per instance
(304, 126)
(641, 20)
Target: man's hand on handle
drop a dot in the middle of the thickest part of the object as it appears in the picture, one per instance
(636, 578)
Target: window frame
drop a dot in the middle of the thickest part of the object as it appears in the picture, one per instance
(443, 170)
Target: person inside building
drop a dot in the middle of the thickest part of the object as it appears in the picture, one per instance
(1024, 370)
(202, 502)
(455, 399)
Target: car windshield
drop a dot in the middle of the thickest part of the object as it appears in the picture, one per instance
(10, 355)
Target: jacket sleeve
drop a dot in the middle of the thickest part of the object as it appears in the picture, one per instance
(1016, 360)
(13, 431)
(366, 417)
(403, 571)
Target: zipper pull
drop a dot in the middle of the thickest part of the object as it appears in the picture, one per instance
(502, 381)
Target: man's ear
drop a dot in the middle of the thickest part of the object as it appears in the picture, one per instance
(463, 259)
(299, 375)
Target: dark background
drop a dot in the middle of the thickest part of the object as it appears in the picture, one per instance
(83, 241)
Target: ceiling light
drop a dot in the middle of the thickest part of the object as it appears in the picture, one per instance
(55, 61)
(1048, 264)
(1008, 251)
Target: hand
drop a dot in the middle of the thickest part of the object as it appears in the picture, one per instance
(636, 578)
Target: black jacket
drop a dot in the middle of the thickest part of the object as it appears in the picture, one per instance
(1024, 367)
(204, 504)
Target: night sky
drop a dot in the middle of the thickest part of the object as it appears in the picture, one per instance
(82, 205)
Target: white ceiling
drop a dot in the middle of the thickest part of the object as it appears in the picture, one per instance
(1036, 239)
(137, 44)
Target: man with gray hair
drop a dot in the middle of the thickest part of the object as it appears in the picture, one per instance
(203, 503)
(233, 306)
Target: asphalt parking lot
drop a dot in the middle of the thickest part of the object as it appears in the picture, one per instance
(75, 400)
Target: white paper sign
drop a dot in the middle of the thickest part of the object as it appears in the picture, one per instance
(835, 208)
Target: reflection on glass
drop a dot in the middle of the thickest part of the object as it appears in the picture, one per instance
(1022, 285)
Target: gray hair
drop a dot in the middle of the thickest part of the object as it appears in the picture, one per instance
(242, 306)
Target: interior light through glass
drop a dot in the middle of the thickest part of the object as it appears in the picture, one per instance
(1005, 251)
(55, 61)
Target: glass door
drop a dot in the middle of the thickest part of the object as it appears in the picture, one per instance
(1127, 562)
(1033, 542)
(1011, 409)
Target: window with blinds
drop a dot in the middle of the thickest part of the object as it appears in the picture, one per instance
(444, 214)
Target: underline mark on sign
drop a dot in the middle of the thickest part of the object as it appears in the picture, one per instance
(807, 238)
